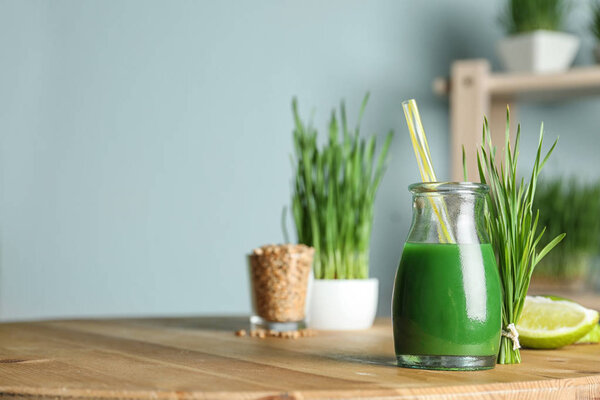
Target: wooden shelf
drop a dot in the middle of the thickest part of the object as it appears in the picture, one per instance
(475, 91)
(575, 82)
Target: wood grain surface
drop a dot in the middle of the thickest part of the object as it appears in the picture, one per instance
(201, 358)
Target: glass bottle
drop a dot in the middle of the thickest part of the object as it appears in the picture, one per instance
(446, 305)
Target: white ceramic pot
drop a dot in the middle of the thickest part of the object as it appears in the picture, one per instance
(342, 304)
(538, 51)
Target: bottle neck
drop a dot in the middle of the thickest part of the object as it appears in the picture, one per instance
(448, 217)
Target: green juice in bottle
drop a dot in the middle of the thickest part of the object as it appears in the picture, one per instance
(446, 300)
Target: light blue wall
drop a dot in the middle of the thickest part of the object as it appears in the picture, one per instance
(144, 144)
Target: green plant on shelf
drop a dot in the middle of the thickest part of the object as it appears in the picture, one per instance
(520, 16)
(334, 192)
(567, 205)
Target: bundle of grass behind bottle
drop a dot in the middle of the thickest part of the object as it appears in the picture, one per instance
(334, 193)
(595, 25)
(573, 207)
(512, 224)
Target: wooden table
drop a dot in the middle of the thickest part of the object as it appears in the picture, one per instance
(201, 358)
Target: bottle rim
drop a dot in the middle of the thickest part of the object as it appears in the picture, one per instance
(449, 188)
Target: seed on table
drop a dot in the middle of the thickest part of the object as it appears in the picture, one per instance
(263, 333)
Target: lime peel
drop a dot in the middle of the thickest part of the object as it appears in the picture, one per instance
(591, 337)
(547, 323)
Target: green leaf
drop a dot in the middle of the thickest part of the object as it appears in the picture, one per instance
(549, 247)
(464, 164)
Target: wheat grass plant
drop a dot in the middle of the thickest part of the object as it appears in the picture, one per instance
(334, 193)
(512, 224)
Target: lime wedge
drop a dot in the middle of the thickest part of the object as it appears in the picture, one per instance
(549, 324)
(592, 336)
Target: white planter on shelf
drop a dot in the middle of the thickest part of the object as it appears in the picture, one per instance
(342, 304)
(538, 51)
